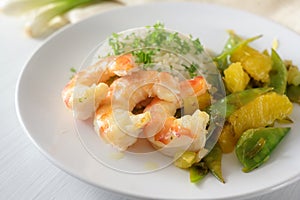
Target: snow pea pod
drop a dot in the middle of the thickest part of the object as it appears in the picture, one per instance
(293, 93)
(255, 145)
(278, 74)
(233, 43)
(236, 100)
(213, 160)
(198, 171)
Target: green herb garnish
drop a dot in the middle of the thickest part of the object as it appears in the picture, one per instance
(146, 43)
(143, 56)
(198, 46)
(73, 70)
(156, 37)
(115, 44)
(192, 69)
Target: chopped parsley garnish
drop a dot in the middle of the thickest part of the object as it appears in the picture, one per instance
(143, 56)
(81, 99)
(198, 46)
(192, 69)
(144, 44)
(73, 70)
(156, 36)
(158, 25)
(115, 44)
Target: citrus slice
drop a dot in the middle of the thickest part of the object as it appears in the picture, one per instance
(260, 112)
(256, 64)
(236, 79)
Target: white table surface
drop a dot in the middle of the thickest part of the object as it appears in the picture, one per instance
(24, 172)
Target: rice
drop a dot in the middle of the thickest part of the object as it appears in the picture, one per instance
(157, 48)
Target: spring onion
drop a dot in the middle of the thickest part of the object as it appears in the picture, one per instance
(43, 16)
(21, 7)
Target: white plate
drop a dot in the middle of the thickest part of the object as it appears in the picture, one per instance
(51, 127)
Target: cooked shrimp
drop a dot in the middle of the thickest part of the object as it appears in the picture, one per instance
(122, 133)
(130, 90)
(194, 87)
(190, 90)
(88, 87)
(171, 135)
(114, 120)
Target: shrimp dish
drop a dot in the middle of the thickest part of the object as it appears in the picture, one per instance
(159, 86)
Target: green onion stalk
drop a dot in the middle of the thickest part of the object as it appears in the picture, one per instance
(46, 15)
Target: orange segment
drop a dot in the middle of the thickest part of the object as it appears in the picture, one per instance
(227, 139)
(256, 64)
(260, 112)
(236, 79)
